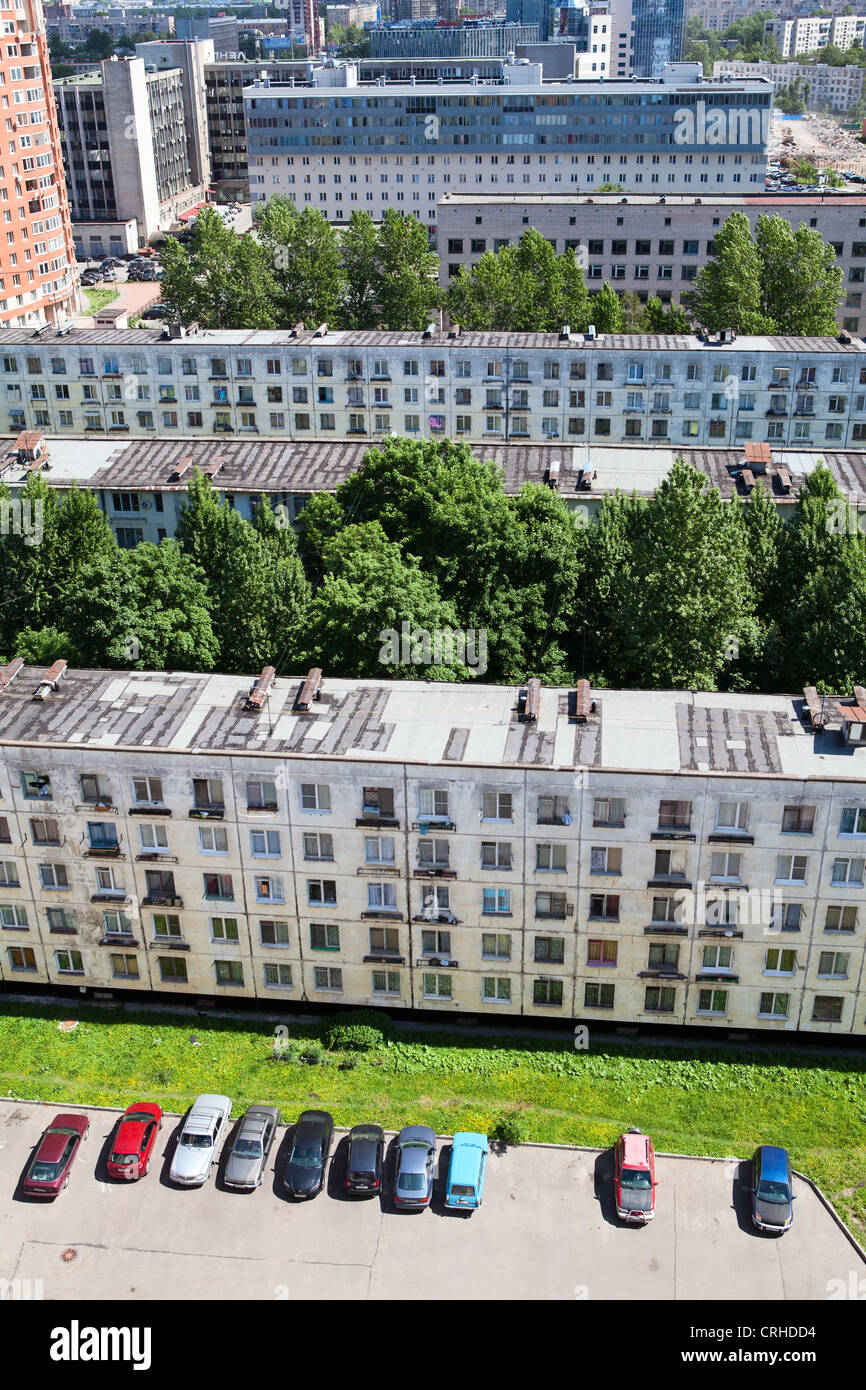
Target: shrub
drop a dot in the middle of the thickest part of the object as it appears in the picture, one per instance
(348, 1064)
(509, 1128)
(312, 1053)
(356, 1031)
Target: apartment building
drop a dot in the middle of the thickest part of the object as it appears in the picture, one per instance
(346, 15)
(134, 137)
(73, 24)
(223, 30)
(648, 245)
(721, 14)
(454, 41)
(533, 853)
(483, 387)
(837, 88)
(142, 484)
(808, 33)
(342, 147)
(37, 283)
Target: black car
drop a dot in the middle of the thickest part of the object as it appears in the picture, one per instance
(365, 1159)
(305, 1170)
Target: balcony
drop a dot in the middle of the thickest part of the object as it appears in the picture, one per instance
(149, 808)
(718, 977)
(662, 973)
(102, 803)
(678, 832)
(442, 914)
(155, 856)
(669, 881)
(171, 943)
(267, 807)
(384, 913)
(440, 961)
(211, 810)
(434, 871)
(117, 938)
(370, 819)
(111, 895)
(425, 827)
(384, 958)
(730, 837)
(665, 929)
(720, 931)
(159, 900)
(103, 852)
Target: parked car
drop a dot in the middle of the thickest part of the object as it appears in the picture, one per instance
(466, 1170)
(249, 1152)
(196, 1149)
(52, 1162)
(157, 311)
(634, 1178)
(365, 1159)
(305, 1170)
(772, 1189)
(415, 1157)
(134, 1141)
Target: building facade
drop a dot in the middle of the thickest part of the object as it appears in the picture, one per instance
(134, 137)
(808, 33)
(657, 35)
(37, 282)
(483, 387)
(223, 30)
(407, 145)
(506, 862)
(648, 245)
(836, 88)
(73, 25)
(450, 41)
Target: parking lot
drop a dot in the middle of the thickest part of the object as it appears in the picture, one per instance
(546, 1230)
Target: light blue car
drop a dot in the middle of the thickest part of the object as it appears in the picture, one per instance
(466, 1170)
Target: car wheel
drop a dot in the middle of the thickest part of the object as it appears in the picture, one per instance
(146, 1169)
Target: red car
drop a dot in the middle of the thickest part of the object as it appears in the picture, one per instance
(49, 1170)
(634, 1177)
(134, 1141)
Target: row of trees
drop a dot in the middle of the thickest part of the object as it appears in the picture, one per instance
(682, 590)
(301, 269)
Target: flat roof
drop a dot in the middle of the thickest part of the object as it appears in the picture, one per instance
(428, 723)
(839, 198)
(208, 338)
(579, 86)
(307, 466)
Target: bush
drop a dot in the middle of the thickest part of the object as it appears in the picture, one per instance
(508, 1129)
(312, 1053)
(356, 1030)
(352, 1037)
(348, 1064)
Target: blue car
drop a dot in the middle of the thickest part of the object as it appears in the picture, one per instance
(466, 1170)
(772, 1189)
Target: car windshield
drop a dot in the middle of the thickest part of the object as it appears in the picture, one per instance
(306, 1158)
(248, 1148)
(635, 1178)
(197, 1141)
(412, 1182)
(123, 1159)
(45, 1172)
(773, 1191)
(461, 1190)
(362, 1175)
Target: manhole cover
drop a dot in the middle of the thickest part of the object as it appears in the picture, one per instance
(67, 1025)
(69, 1254)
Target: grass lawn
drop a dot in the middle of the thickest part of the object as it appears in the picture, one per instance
(97, 299)
(701, 1100)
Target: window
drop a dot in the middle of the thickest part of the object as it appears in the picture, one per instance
(378, 801)
(608, 810)
(496, 987)
(265, 844)
(547, 992)
(551, 905)
(172, 968)
(780, 962)
(786, 916)
(212, 839)
(61, 920)
(318, 846)
(261, 796)
(218, 886)
(224, 928)
(853, 821)
(382, 897)
(601, 952)
(732, 815)
(496, 806)
(659, 999)
(774, 1005)
(791, 868)
(44, 832)
(798, 820)
(54, 876)
(598, 996)
(432, 803)
(495, 946)
(436, 852)
(833, 965)
(36, 785)
(553, 810)
(717, 958)
(495, 854)
(124, 967)
(385, 940)
(675, 815)
(274, 933)
(166, 925)
(21, 958)
(550, 949)
(147, 791)
(13, 916)
(827, 1008)
(386, 981)
(712, 1001)
(379, 849)
(315, 796)
(604, 906)
(208, 793)
(841, 918)
(550, 858)
(496, 900)
(605, 861)
(324, 936)
(436, 986)
(725, 865)
(326, 977)
(69, 962)
(848, 871)
(278, 976)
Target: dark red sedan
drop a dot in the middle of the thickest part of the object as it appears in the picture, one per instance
(134, 1141)
(49, 1170)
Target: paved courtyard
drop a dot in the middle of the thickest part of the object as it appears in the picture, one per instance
(546, 1230)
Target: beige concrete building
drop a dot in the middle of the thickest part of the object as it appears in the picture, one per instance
(648, 245)
(837, 88)
(670, 857)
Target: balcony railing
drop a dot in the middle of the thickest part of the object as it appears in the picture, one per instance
(211, 810)
(162, 900)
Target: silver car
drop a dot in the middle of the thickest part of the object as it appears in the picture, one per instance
(415, 1157)
(196, 1149)
(249, 1153)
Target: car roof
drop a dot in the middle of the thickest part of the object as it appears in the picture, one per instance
(466, 1151)
(66, 1121)
(774, 1162)
(129, 1136)
(51, 1147)
(142, 1109)
(314, 1117)
(418, 1134)
(635, 1150)
(262, 1112)
(372, 1132)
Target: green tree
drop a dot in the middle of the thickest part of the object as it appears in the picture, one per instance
(359, 252)
(606, 311)
(355, 619)
(173, 629)
(727, 291)
(521, 288)
(304, 253)
(221, 280)
(409, 293)
(800, 281)
(659, 318)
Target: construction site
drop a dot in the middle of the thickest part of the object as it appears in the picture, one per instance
(818, 139)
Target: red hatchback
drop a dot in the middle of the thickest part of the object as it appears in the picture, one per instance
(49, 1170)
(634, 1177)
(134, 1141)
